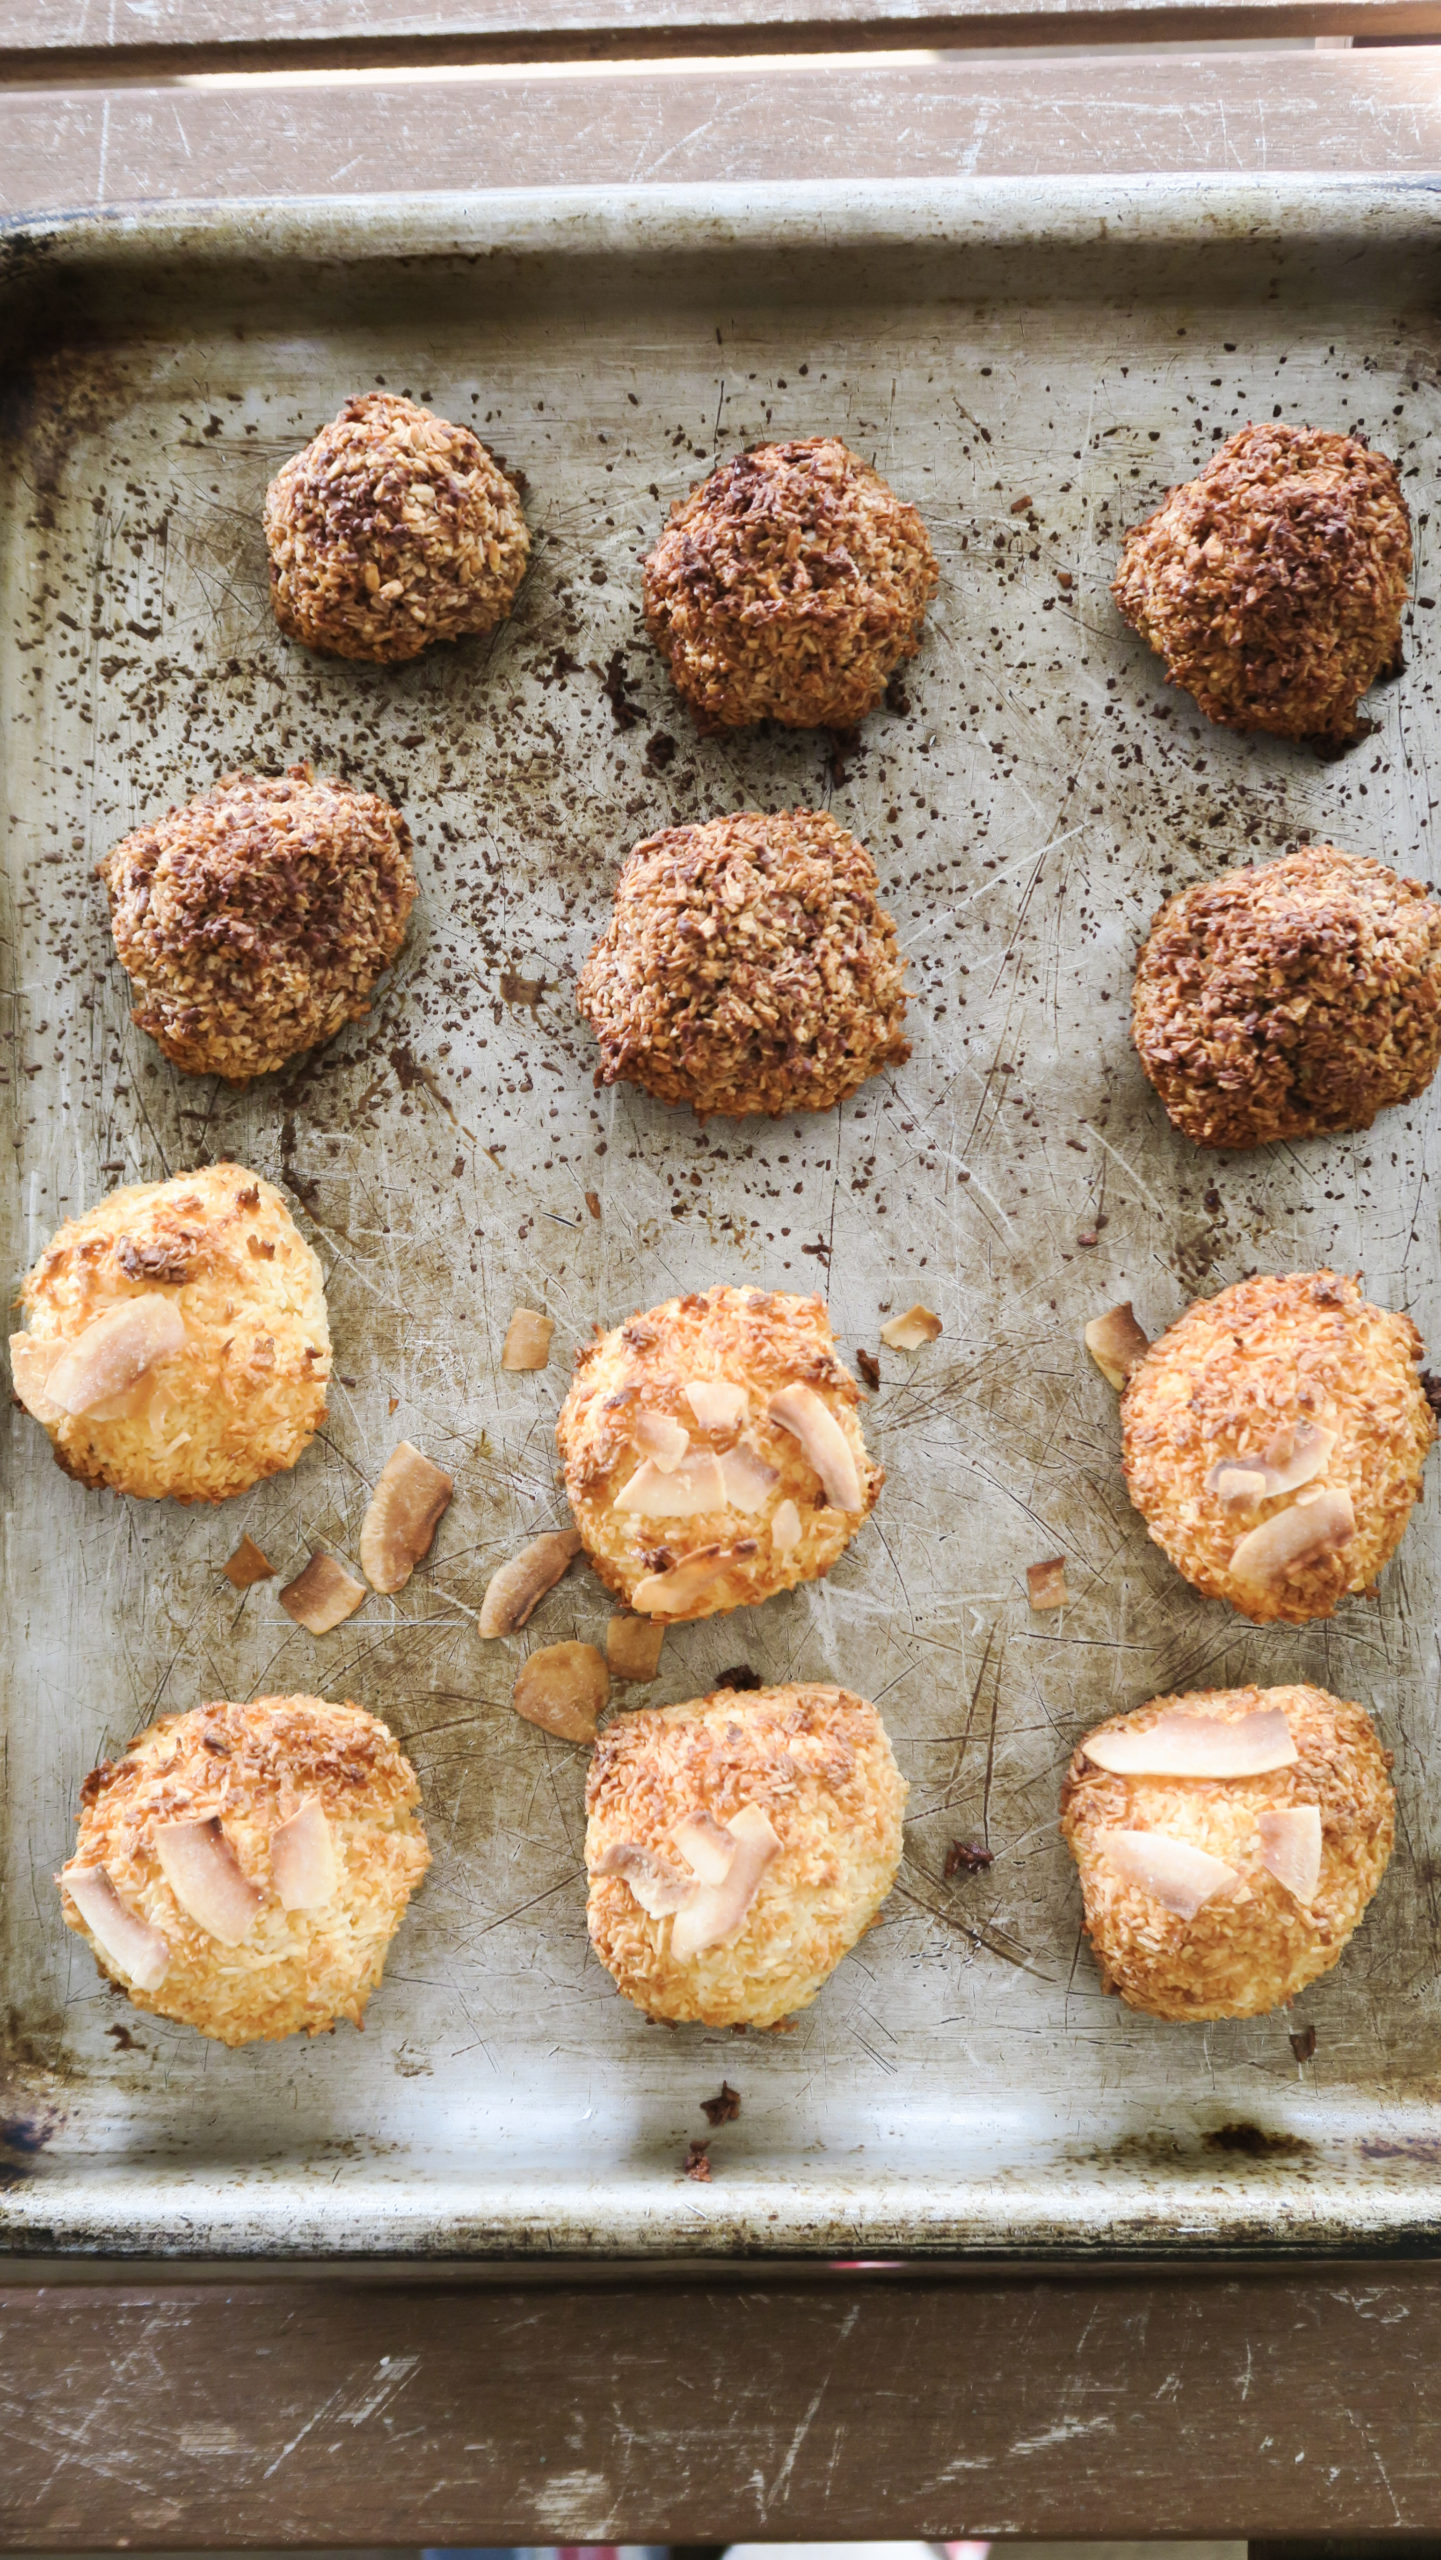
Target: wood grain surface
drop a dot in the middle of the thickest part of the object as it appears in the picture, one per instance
(1217, 114)
(314, 2414)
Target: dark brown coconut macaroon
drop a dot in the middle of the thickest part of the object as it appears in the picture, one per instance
(748, 967)
(1273, 583)
(255, 921)
(788, 586)
(1301, 996)
(391, 529)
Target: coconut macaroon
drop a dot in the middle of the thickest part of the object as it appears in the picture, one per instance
(713, 1453)
(391, 529)
(1273, 1441)
(737, 1848)
(255, 921)
(788, 586)
(244, 1869)
(177, 1341)
(1300, 996)
(1273, 583)
(749, 966)
(1228, 1843)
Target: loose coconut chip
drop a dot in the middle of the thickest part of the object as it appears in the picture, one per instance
(1046, 1584)
(1196, 1747)
(1116, 1344)
(1290, 1836)
(1315, 1527)
(515, 1588)
(139, 1951)
(800, 1411)
(563, 1688)
(908, 1332)
(403, 1515)
(1293, 1458)
(1181, 1878)
(323, 1596)
(205, 1876)
(303, 1860)
(632, 1648)
(670, 1594)
(96, 1375)
(527, 1340)
(248, 1565)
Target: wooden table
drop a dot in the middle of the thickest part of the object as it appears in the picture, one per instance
(313, 2408)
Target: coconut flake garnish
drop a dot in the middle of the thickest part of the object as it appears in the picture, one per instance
(695, 1486)
(717, 1403)
(129, 1942)
(658, 1887)
(672, 1593)
(747, 1479)
(1174, 1873)
(303, 1860)
(706, 1845)
(32, 1357)
(659, 1437)
(1294, 1457)
(800, 1410)
(96, 1373)
(1196, 1747)
(785, 1528)
(716, 1911)
(1314, 1527)
(1290, 1836)
(205, 1876)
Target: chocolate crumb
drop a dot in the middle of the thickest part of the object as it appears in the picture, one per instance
(660, 750)
(967, 1858)
(624, 712)
(695, 2164)
(869, 1367)
(1303, 2043)
(740, 1676)
(725, 2108)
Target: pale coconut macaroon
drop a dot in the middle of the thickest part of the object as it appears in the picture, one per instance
(1273, 1441)
(391, 529)
(1228, 1843)
(177, 1341)
(713, 1452)
(737, 1847)
(243, 1869)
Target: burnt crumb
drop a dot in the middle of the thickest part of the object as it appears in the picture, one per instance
(696, 2163)
(660, 750)
(1255, 2142)
(869, 1367)
(896, 697)
(1328, 749)
(725, 2108)
(740, 1676)
(561, 666)
(624, 711)
(845, 748)
(1431, 1389)
(1303, 2043)
(967, 1858)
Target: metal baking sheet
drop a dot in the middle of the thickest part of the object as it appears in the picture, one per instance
(962, 2084)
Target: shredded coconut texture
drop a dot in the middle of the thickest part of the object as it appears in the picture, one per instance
(749, 967)
(1273, 583)
(1253, 1947)
(392, 528)
(789, 586)
(254, 922)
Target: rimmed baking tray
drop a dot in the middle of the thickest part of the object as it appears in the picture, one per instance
(1033, 365)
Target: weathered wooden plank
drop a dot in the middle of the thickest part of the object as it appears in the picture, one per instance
(312, 2414)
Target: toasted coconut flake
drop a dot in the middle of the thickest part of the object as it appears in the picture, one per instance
(563, 1688)
(660, 1438)
(1295, 1457)
(658, 1887)
(515, 1588)
(1046, 1584)
(139, 1951)
(1290, 1836)
(632, 1648)
(303, 1862)
(747, 1479)
(247, 1565)
(323, 1596)
(672, 1593)
(1196, 1747)
(404, 1511)
(1316, 1526)
(706, 1845)
(205, 1876)
(910, 1331)
(718, 1404)
(31, 1360)
(693, 1487)
(1116, 1343)
(96, 1373)
(1172, 1872)
(527, 1340)
(800, 1410)
(716, 1911)
(785, 1528)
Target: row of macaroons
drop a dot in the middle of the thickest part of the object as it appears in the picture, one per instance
(243, 1869)
(1273, 1438)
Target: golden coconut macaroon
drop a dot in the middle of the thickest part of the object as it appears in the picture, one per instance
(1228, 1843)
(177, 1341)
(390, 529)
(788, 586)
(749, 966)
(254, 922)
(244, 1869)
(738, 1847)
(1273, 583)
(713, 1452)
(1300, 996)
(1273, 1441)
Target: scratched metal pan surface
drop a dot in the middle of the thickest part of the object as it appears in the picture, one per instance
(1030, 795)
